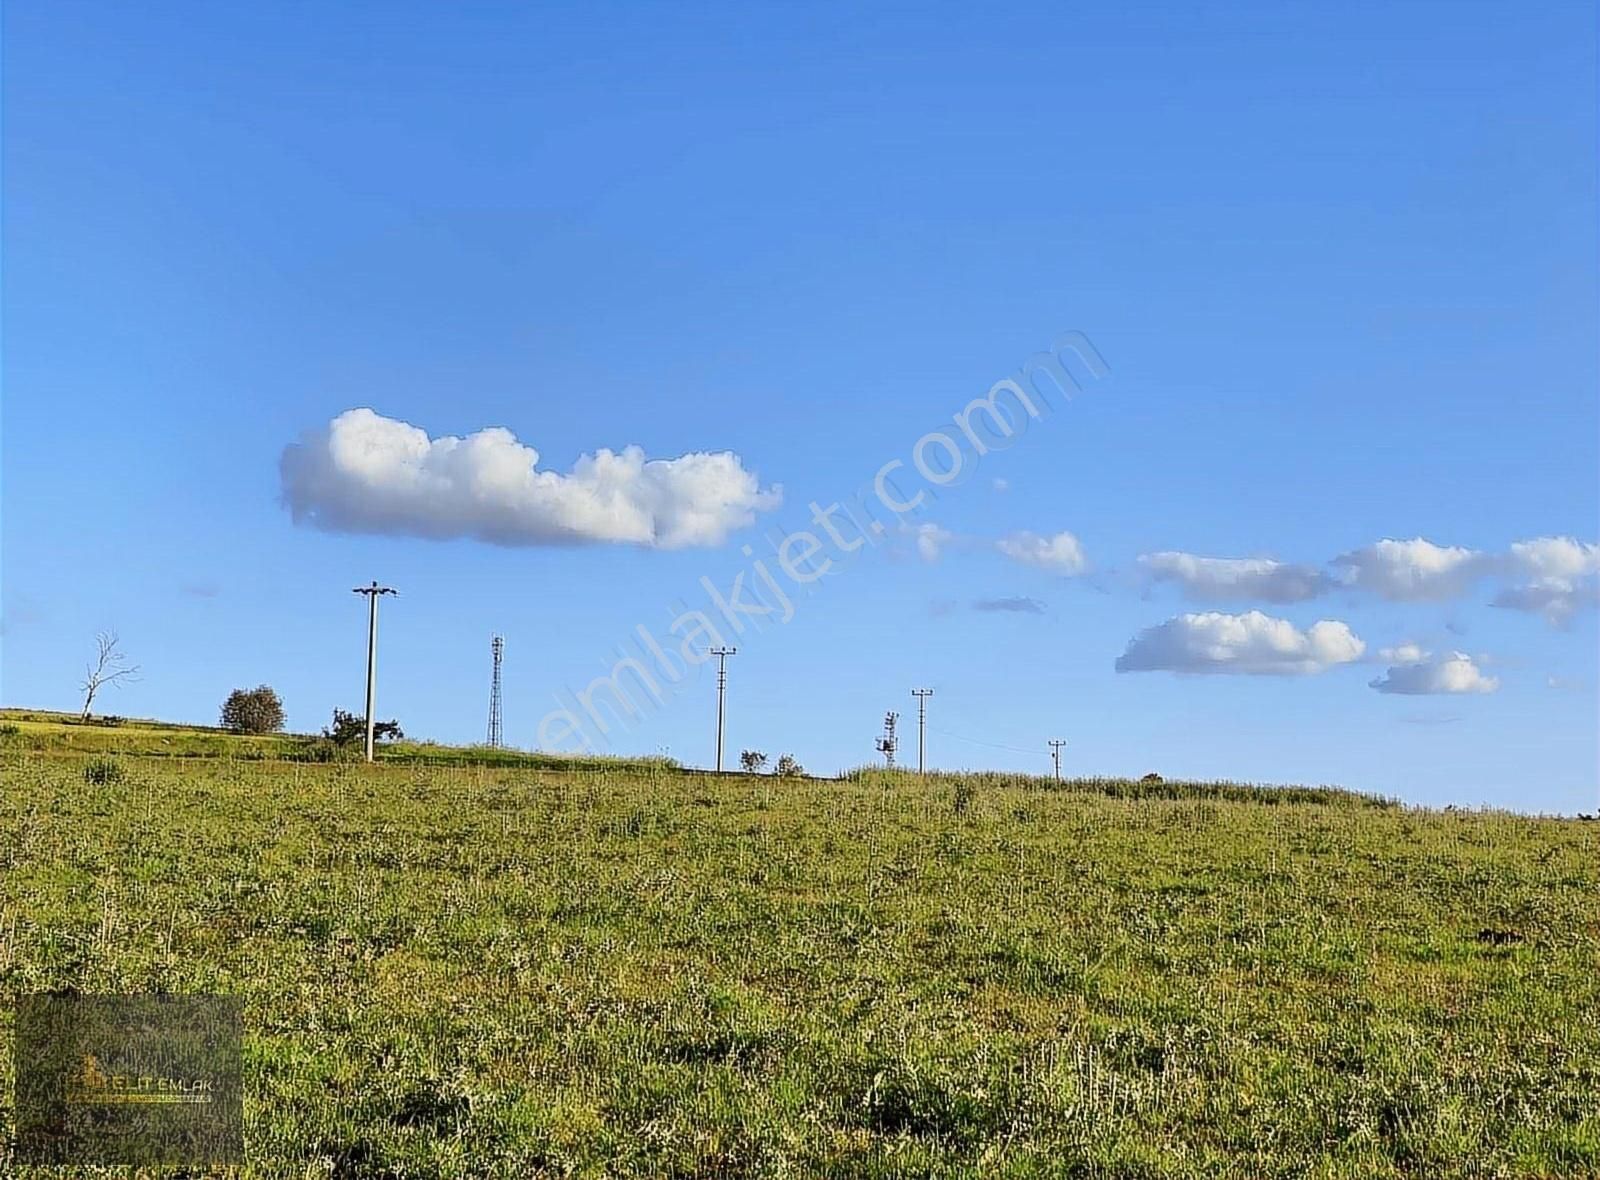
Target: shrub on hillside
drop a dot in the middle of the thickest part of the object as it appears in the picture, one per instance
(253, 710)
(788, 768)
(103, 771)
(320, 749)
(348, 728)
(752, 761)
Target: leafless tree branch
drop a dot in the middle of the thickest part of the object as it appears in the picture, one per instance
(109, 667)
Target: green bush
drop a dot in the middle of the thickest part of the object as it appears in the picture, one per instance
(318, 750)
(103, 771)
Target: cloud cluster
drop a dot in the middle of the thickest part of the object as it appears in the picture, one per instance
(1251, 644)
(1560, 576)
(1551, 576)
(1059, 554)
(1234, 579)
(1414, 672)
(364, 473)
(1555, 577)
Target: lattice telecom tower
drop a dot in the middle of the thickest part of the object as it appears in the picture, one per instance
(497, 645)
(888, 743)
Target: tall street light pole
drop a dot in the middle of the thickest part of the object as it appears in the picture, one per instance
(722, 654)
(373, 593)
(922, 695)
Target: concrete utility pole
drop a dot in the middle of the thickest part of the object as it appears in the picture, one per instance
(373, 593)
(922, 695)
(1055, 752)
(722, 654)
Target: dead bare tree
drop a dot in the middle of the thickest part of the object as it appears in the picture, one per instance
(110, 667)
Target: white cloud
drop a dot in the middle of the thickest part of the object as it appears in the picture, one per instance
(1555, 599)
(1562, 558)
(1224, 579)
(1565, 578)
(1249, 644)
(1413, 571)
(1426, 676)
(364, 473)
(1001, 484)
(1061, 553)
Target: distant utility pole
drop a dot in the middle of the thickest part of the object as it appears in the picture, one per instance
(497, 647)
(1055, 752)
(722, 654)
(922, 695)
(373, 593)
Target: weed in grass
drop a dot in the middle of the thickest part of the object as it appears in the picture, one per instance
(102, 771)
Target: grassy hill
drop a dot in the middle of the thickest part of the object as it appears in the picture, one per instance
(628, 969)
(48, 732)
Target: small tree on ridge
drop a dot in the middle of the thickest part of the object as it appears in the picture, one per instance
(253, 710)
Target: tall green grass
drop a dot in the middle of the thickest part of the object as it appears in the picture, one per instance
(491, 971)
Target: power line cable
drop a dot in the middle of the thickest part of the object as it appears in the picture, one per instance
(979, 742)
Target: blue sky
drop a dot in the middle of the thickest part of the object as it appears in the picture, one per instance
(1339, 263)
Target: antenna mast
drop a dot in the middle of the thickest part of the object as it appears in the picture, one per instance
(497, 646)
(888, 743)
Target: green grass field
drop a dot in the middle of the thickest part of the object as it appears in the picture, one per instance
(627, 969)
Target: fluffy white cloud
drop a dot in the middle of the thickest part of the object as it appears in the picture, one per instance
(1227, 579)
(1564, 578)
(1425, 675)
(1059, 554)
(1413, 571)
(364, 473)
(1250, 644)
(1562, 558)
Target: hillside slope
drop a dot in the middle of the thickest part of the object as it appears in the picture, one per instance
(514, 971)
